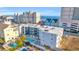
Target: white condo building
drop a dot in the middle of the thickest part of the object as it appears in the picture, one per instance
(69, 18)
(48, 35)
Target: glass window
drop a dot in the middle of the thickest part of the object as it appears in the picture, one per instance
(64, 25)
(76, 14)
(74, 26)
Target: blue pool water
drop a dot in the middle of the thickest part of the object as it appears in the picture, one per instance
(32, 40)
(14, 45)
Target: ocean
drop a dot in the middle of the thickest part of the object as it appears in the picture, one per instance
(49, 20)
(51, 17)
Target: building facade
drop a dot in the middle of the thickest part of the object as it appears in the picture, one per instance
(69, 19)
(11, 33)
(8, 31)
(29, 29)
(2, 27)
(48, 35)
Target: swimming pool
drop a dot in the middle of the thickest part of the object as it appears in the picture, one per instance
(32, 40)
(14, 45)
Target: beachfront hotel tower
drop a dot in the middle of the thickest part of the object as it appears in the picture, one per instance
(69, 19)
(27, 17)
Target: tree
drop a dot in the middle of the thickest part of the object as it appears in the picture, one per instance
(20, 41)
(23, 37)
(2, 40)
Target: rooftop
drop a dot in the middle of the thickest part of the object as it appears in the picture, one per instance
(12, 25)
(3, 26)
(9, 17)
(49, 29)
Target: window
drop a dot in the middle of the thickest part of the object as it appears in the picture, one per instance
(64, 25)
(51, 38)
(74, 27)
(76, 14)
(12, 38)
(7, 34)
(26, 30)
(22, 29)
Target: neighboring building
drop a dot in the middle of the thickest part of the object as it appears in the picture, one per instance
(11, 32)
(3, 17)
(8, 31)
(48, 35)
(49, 22)
(2, 27)
(29, 29)
(27, 17)
(16, 18)
(8, 20)
(69, 19)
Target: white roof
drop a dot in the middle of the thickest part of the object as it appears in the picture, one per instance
(52, 30)
(9, 17)
(48, 29)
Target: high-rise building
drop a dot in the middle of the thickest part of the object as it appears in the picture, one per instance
(27, 17)
(16, 18)
(36, 17)
(69, 18)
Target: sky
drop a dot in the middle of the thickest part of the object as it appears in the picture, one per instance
(44, 11)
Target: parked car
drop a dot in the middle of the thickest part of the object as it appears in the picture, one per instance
(24, 49)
